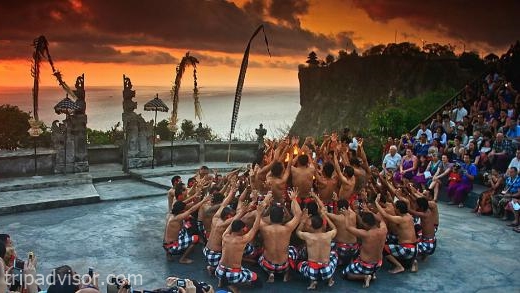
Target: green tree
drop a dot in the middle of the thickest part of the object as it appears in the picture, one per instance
(329, 59)
(438, 50)
(471, 60)
(402, 49)
(491, 58)
(187, 129)
(163, 131)
(205, 132)
(113, 136)
(375, 50)
(13, 128)
(342, 54)
(393, 120)
(97, 137)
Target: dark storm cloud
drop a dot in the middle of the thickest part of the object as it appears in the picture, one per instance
(100, 26)
(344, 40)
(288, 10)
(86, 52)
(493, 22)
(255, 7)
(208, 60)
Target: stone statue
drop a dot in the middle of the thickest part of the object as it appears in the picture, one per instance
(200, 133)
(138, 133)
(80, 94)
(128, 94)
(69, 138)
(260, 132)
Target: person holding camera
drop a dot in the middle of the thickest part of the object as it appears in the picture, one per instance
(511, 191)
(179, 285)
(459, 189)
(3, 278)
(494, 181)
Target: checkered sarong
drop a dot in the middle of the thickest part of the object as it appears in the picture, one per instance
(202, 230)
(391, 239)
(427, 245)
(360, 267)
(271, 267)
(402, 250)
(250, 251)
(183, 242)
(346, 250)
(212, 257)
(319, 271)
(235, 275)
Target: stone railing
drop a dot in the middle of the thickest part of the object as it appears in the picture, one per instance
(21, 162)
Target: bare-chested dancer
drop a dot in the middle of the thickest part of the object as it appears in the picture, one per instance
(229, 270)
(370, 259)
(302, 178)
(177, 240)
(276, 236)
(407, 247)
(327, 186)
(345, 243)
(347, 182)
(321, 262)
(221, 220)
(427, 242)
(277, 176)
(171, 193)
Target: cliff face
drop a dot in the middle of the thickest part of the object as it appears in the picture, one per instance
(341, 94)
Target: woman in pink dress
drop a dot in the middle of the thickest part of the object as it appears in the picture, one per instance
(407, 168)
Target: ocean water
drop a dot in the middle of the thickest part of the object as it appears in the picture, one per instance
(276, 108)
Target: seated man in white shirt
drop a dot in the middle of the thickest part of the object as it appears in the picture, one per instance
(459, 112)
(424, 129)
(515, 162)
(391, 161)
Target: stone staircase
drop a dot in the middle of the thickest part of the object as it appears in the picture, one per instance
(46, 192)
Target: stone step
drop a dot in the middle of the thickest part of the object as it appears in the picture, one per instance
(471, 199)
(105, 172)
(24, 200)
(127, 189)
(36, 182)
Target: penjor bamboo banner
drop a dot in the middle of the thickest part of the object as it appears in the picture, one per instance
(240, 83)
(41, 51)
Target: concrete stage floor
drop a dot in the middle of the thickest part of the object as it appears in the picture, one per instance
(474, 254)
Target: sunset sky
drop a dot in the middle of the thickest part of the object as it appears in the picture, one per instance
(146, 39)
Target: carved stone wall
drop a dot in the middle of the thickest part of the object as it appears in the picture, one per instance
(137, 148)
(69, 138)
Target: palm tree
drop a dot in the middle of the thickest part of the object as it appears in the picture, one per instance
(181, 68)
(41, 51)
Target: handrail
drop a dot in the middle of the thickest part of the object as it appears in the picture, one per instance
(474, 84)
